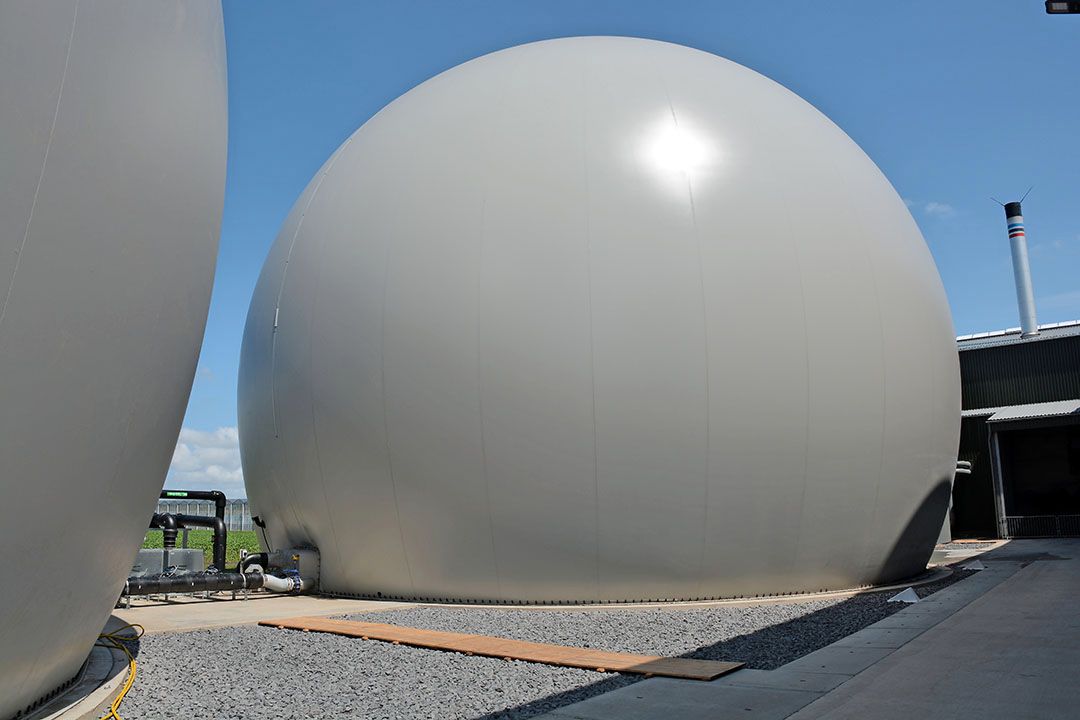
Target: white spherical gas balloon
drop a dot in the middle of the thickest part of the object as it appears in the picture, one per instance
(600, 319)
(112, 177)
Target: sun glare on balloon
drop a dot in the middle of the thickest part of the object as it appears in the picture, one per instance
(675, 149)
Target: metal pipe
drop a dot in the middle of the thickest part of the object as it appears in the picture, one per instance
(1025, 296)
(261, 558)
(221, 534)
(168, 525)
(216, 495)
(289, 584)
(191, 583)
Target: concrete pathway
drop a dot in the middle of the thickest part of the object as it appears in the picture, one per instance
(191, 613)
(1004, 643)
(1012, 653)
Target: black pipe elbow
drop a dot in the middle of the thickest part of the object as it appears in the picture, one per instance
(169, 526)
(216, 495)
(220, 534)
(254, 559)
(219, 529)
(219, 503)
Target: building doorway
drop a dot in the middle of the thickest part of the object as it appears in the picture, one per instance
(1036, 465)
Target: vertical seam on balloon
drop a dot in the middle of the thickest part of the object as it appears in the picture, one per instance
(273, 337)
(284, 277)
(868, 548)
(322, 483)
(480, 392)
(705, 335)
(319, 258)
(796, 246)
(30, 218)
(385, 414)
(500, 106)
(44, 163)
(592, 339)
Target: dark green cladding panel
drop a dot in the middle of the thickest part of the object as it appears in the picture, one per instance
(1022, 373)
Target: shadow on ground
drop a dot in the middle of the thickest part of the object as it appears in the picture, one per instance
(764, 649)
(776, 645)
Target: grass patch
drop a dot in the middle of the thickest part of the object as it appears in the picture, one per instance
(236, 541)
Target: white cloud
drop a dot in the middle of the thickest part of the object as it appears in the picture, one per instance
(938, 208)
(1051, 246)
(931, 207)
(1067, 301)
(208, 460)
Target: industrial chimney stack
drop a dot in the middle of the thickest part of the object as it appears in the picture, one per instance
(1025, 298)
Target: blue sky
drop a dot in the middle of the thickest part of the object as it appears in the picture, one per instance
(955, 101)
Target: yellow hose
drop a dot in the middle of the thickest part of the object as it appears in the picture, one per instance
(116, 640)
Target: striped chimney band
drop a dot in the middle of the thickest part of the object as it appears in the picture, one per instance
(1014, 220)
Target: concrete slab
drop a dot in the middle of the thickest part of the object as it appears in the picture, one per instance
(904, 621)
(784, 679)
(1023, 549)
(926, 607)
(192, 614)
(680, 699)
(839, 660)
(1011, 653)
(878, 637)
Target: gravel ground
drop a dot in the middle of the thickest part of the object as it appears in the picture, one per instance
(762, 636)
(254, 672)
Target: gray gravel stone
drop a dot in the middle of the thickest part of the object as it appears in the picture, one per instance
(254, 672)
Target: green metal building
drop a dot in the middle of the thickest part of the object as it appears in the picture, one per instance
(1021, 433)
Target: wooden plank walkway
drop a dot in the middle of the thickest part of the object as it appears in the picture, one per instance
(508, 649)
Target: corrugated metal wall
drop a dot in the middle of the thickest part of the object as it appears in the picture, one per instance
(1029, 372)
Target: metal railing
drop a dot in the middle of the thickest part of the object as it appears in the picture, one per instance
(237, 512)
(1029, 526)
